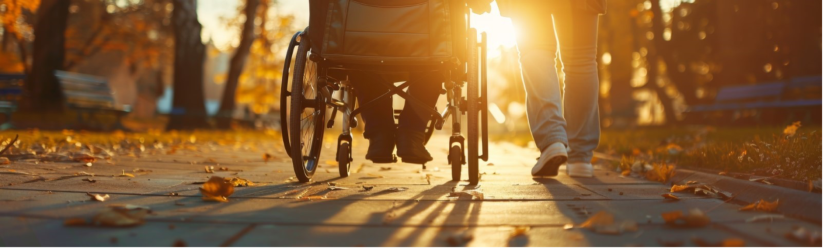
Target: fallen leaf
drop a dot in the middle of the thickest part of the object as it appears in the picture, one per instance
(124, 174)
(98, 197)
(121, 216)
(730, 242)
(217, 189)
(460, 238)
(691, 182)
(626, 172)
(240, 182)
(5, 160)
(670, 197)
(223, 169)
(14, 172)
(694, 218)
(313, 197)
(397, 189)
(679, 188)
(386, 168)
(519, 231)
(661, 172)
(267, 157)
(209, 169)
(333, 188)
(367, 188)
(762, 205)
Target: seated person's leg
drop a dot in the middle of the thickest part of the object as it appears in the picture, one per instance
(412, 123)
(378, 117)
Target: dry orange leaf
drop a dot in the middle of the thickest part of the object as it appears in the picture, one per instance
(694, 218)
(762, 205)
(601, 218)
(670, 197)
(217, 189)
(519, 231)
(661, 172)
(209, 169)
(626, 172)
(678, 188)
(83, 157)
(267, 157)
(240, 182)
(730, 242)
(98, 197)
(5, 160)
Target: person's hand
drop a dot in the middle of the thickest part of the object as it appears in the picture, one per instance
(479, 6)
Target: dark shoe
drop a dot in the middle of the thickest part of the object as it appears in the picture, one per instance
(381, 147)
(411, 147)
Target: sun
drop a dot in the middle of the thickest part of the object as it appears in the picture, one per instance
(500, 31)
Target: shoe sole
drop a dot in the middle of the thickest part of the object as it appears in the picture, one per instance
(551, 168)
(579, 174)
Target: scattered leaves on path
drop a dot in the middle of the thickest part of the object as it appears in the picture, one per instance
(762, 205)
(217, 189)
(98, 197)
(694, 218)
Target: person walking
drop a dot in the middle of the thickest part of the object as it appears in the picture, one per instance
(565, 128)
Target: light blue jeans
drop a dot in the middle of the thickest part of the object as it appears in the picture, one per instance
(572, 119)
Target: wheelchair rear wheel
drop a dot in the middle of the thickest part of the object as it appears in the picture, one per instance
(307, 113)
(285, 98)
(472, 107)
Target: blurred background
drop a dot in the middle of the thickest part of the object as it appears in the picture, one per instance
(723, 85)
(662, 63)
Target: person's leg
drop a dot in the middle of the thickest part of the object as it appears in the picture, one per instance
(577, 32)
(424, 88)
(536, 42)
(379, 125)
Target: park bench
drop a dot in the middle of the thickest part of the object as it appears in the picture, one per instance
(765, 103)
(11, 88)
(89, 95)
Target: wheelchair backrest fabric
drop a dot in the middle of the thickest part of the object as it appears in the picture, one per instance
(390, 32)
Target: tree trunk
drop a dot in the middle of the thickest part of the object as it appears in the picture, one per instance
(236, 65)
(188, 108)
(42, 90)
(653, 64)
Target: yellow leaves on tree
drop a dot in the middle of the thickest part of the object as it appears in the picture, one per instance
(11, 17)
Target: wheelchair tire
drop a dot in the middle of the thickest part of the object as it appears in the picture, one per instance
(306, 129)
(285, 94)
(344, 158)
(472, 106)
(455, 162)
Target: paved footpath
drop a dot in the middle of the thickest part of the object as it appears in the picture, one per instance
(272, 213)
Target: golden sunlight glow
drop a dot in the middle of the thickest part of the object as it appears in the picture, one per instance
(500, 31)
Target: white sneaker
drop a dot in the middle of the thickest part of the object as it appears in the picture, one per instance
(580, 169)
(550, 160)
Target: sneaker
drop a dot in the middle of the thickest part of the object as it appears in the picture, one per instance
(411, 147)
(580, 169)
(550, 160)
(381, 147)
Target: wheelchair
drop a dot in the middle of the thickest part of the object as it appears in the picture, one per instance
(415, 36)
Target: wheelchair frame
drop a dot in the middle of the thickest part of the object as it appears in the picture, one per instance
(317, 87)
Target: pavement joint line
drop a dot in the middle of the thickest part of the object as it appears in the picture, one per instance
(275, 223)
(591, 191)
(238, 235)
